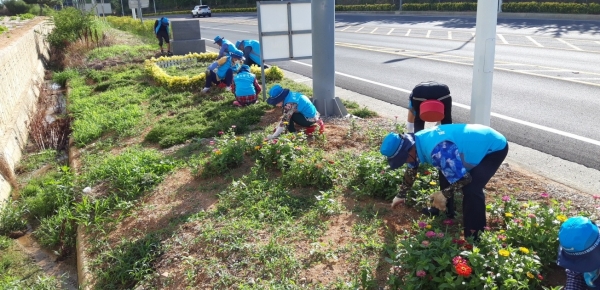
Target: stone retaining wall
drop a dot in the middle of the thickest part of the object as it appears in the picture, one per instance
(21, 73)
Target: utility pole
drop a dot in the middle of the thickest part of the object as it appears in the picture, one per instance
(140, 11)
(483, 61)
(154, 6)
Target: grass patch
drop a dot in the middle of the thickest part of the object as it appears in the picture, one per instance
(26, 16)
(121, 52)
(3, 29)
(189, 70)
(355, 109)
(32, 162)
(18, 271)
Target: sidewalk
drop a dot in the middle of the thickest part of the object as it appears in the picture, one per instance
(565, 172)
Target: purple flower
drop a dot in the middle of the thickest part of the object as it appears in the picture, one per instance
(421, 273)
(487, 228)
(531, 215)
(221, 133)
(544, 195)
(448, 222)
(430, 234)
(506, 198)
(422, 225)
(440, 235)
(458, 259)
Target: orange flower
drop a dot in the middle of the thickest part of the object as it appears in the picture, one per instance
(463, 269)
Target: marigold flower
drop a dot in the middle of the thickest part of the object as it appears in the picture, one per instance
(508, 215)
(561, 217)
(285, 123)
(421, 273)
(428, 226)
(501, 237)
(530, 275)
(430, 234)
(218, 152)
(432, 183)
(504, 253)
(463, 269)
(468, 246)
(506, 198)
(544, 195)
(459, 242)
(257, 147)
(525, 251)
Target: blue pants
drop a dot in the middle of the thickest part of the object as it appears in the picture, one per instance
(211, 78)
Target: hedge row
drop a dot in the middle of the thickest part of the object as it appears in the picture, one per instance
(535, 7)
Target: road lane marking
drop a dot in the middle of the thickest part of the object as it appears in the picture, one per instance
(346, 28)
(228, 29)
(450, 35)
(408, 32)
(390, 32)
(502, 38)
(359, 29)
(507, 118)
(572, 46)
(534, 42)
(428, 33)
(374, 30)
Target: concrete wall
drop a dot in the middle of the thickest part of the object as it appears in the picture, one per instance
(21, 73)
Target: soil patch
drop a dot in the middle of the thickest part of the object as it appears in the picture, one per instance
(20, 28)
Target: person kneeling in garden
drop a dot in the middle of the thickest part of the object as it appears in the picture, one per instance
(297, 109)
(579, 253)
(245, 87)
(221, 71)
(468, 155)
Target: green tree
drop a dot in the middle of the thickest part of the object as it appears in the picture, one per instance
(43, 3)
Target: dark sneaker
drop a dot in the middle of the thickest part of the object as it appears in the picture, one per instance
(430, 211)
(169, 53)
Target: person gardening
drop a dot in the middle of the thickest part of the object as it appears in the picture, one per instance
(579, 253)
(245, 87)
(221, 72)
(430, 92)
(251, 49)
(225, 47)
(297, 109)
(468, 155)
(161, 31)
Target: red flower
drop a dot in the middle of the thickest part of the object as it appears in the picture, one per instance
(448, 222)
(463, 269)
(426, 172)
(540, 277)
(468, 246)
(459, 242)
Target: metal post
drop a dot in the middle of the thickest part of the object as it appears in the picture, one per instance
(483, 62)
(122, 9)
(140, 11)
(262, 57)
(103, 13)
(154, 6)
(323, 55)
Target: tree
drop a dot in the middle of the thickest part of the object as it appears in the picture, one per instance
(43, 3)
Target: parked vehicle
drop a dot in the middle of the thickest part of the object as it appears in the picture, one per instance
(201, 10)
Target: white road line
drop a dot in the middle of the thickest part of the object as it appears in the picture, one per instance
(472, 33)
(390, 32)
(502, 38)
(449, 34)
(228, 30)
(572, 46)
(408, 32)
(374, 30)
(359, 29)
(511, 119)
(345, 28)
(534, 42)
(428, 33)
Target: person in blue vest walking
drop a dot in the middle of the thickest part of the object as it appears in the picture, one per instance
(221, 71)
(579, 253)
(226, 47)
(251, 49)
(297, 109)
(245, 87)
(468, 155)
(161, 31)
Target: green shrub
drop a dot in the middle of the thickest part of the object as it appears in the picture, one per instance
(528, 7)
(227, 153)
(16, 7)
(62, 77)
(373, 178)
(69, 25)
(26, 16)
(145, 30)
(58, 229)
(366, 7)
(44, 196)
(3, 29)
(363, 112)
(11, 217)
(312, 170)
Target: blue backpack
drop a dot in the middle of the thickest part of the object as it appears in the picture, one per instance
(163, 21)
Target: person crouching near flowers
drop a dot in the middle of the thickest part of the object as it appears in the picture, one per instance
(297, 109)
(468, 155)
(245, 87)
(579, 253)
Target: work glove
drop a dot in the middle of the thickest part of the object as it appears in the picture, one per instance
(438, 200)
(590, 277)
(397, 201)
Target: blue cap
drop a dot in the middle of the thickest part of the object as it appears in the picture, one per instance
(277, 94)
(396, 147)
(579, 239)
(237, 44)
(237, 53)
(245, 68)
(218, 39)
(164, 20)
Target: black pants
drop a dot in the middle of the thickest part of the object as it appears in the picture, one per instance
(299, 119)
(162, 36)
(474, 219)
(420, 124)
(249, 61)
(211, 78)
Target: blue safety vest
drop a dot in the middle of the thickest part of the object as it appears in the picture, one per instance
(222, 70)
(474, 142)
(244, 84)
(305, 106)
(255, 53)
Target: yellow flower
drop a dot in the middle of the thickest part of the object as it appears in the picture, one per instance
(218, 152)
(501, 231)
(530, 275)
(238, 138)
(504, 253)
(525, 205)
(265, 143)
(300, 161)
(257, 147)
(428, 226)
(508, 215)
(432, 183)
(285, 123)
(525, 251)
(417, 175)
(561, 217)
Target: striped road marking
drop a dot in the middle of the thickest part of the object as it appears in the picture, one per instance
(534, 42)
(449, 34)
(346, 28)
(502, 38)
(428, 33)
(408, 32)
(390, 32)
(359, 29)
(374, 30)
(572, 46)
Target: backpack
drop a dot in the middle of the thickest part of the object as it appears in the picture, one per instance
(163, 21)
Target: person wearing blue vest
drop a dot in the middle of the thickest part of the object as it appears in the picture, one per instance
(245, 87)
(297, 109)
(221, 73)
(251, 49)
(468, 155)
(579, 253)
(225, 47)
(161, 30)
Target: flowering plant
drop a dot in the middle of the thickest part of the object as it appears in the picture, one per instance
(227, 152)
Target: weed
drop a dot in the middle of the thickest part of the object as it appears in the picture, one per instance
(11, 217)
(121, 52)
(26, 16)
(17, 271)
(228, 152)
(32, 162)
(364, 112)
(62, 77)
(3, 29)
(350, 105)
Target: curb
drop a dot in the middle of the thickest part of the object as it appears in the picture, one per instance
(501, 15)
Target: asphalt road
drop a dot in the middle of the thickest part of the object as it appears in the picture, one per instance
(546, 79)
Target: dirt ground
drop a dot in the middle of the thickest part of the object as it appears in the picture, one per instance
(16, 29)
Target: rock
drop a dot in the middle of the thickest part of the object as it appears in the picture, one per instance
(87, 190)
